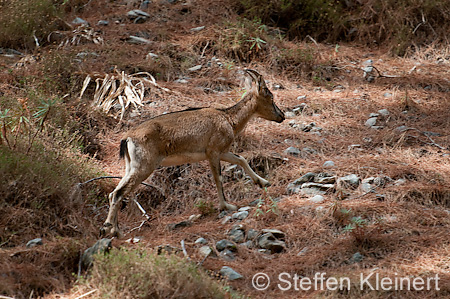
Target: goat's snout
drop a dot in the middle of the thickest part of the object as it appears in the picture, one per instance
(280, 114)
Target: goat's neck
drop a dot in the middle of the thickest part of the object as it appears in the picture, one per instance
(242, 112)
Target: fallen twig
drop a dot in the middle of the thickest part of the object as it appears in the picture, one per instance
(87, 294)
(184, 251)
(432, 142)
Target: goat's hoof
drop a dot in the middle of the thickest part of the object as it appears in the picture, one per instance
(229, 207)
(263, 183)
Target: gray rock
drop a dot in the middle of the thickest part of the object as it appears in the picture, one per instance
(316, 189)
(226, 219)
(133, 14)
(309, 150)
(371, 122)
(248, 244)
(301, 98)
(252, 234)
(387, 95)
(328, 164)
(324, 178)
(103, 23)
(317, 199)
(269, 242)
(138, 40)
(356, 258)
(101, 246)
(307, 177)
(240, 215)
(182, 81)
(384, 112)
(293, 151)
(229, 273)
(351, 180)
(201, 241)
(244, 209)
(293, 188)
(173, 226)
(373, 115)
(367, 187)
(205, 251)
(140, 20)
(197, 29)
(34, 242)
(368, 62)
(227, 255)
(236, 234)
(289, 114)
(275, 232)
(195, 68)
(79, 21)
(225, 244)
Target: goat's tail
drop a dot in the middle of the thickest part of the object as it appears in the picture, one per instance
(123, 148)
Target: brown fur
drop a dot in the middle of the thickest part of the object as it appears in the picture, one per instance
(191, 136)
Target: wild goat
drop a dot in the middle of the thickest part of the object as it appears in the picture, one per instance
(191, 136)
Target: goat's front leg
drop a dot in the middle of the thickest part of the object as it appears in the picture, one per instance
(214, 163)
(239, 160)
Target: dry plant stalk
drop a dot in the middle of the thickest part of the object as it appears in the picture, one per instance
(120, 88)
(81, 34)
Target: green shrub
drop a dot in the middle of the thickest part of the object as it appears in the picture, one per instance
(139, 273)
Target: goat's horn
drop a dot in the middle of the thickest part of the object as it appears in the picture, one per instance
(254, 74)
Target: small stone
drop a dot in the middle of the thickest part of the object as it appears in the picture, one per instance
(373, 115)
(328, 164)
(371, 122)
(387, 95)
(316, 189)
(103, 23)
(248, 244)
(384, 112)
(401, 128)
(205, 251)
(197, 29)
(309, 150)
(356, 258)
(351, 180)
(301, 98)
(151, 56)
(133, 14)
(226, 219)
(195, 68)
(34, 242)
(103, 245)
(138, 40)
(227, 255)
(400, 182)
(239, 215)
(79, 21)
(225, 244)
(236, 234)
(182, 81)
(244, 209)
(269, 242)
(252, 234)
(201, 241)
(230, 273)
(317, 199)
(293, 151)
(324, 178)
(180, 224)
(275, 232)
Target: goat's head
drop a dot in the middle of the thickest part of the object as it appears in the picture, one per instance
(267, 108)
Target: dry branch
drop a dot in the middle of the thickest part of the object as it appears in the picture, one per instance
(120, 89)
